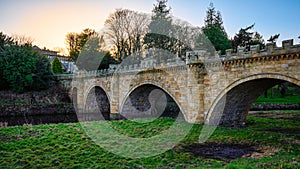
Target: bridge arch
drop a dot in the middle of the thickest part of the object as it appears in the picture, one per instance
(138, 102)
(90, 88)
(96, 104)
(231, 106)
(74, 97)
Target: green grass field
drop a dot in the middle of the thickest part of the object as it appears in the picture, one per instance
(270, 140)
(292, 97)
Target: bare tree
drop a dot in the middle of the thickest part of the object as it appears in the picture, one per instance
(139, 28)
(124, 31)
(185, 35)
(22, 39)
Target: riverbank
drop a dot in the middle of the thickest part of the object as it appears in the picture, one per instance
(266, 142)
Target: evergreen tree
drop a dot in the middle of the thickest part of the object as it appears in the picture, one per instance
(161, 20)
(218, 22)
(274, 38)
(245, 38)
(210, 15)
(4, 42)
(21, 67)
(43, 75)
(160, 28)
(214, 29)
(258, 40)
(57, 66)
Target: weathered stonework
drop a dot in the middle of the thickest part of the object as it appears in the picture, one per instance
(217, 90)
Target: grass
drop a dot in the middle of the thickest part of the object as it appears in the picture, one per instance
(292, 97)
(268, 141)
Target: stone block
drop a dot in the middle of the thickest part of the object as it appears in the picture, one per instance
(286, 44)
(241, 51)
(254, 49)
(228, 52)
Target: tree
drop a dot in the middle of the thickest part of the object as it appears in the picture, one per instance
(85, 35)
(76, 41)
(138, 30)
(160, 28)
(246, 38)
(258, 40)
(210, 15)
(243, 38)
(217, 38)
(218, 21)
(19, 66)
(161, 20)
(93, 57)
(56, 66)
(5, 41)
(183, 38)
(125, 29)
(274, 38)
(43, 75)
(214, 30)
(73, 45)
(22, 39)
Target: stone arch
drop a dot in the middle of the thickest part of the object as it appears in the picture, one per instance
(96, 105)
(97, 86)
(158, 77)
(231, 106)
(74, 97)
(144, 90)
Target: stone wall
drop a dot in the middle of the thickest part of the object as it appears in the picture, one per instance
(36, 114)
(50, 106)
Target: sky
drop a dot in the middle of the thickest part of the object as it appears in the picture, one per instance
(48, 21)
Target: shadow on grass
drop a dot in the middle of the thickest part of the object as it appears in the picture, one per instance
(294, 130)
(220, 150)
(293, 115)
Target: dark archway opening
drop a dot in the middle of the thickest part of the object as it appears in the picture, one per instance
(232, 109)
(284, 96)
(97, 106)
(150, 101)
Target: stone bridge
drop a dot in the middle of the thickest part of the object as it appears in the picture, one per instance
(197, 89)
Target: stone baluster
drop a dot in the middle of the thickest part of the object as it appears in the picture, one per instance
(241, 51)
(254, 49)
(228, 52)
(270, 47)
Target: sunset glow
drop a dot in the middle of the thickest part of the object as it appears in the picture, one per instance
(48, 22)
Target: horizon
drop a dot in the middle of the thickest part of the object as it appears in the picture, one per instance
(48, 22)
